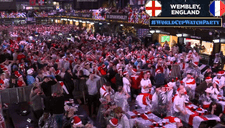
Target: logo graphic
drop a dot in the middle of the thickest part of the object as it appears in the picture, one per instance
(217, 8)
(32, 2)
(41, 2)
(153, 8)
(141, 2)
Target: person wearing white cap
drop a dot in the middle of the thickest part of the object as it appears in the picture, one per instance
(219, 80)
(30, 78)
(206, 98)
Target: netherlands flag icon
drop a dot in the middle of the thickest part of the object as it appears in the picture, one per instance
(217, 8)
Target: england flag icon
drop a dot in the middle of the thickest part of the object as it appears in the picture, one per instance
(217, 8)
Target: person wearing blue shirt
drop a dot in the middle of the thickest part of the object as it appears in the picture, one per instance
(30, 78)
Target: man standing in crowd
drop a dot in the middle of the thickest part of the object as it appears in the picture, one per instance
(92, 93)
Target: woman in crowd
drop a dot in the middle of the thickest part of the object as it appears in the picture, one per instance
(121, 99)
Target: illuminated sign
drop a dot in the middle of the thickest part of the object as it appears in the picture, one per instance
(194, 13)
(187, 22)
(165, 38)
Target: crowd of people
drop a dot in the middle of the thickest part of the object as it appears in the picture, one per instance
(157, 78)
(135, 15)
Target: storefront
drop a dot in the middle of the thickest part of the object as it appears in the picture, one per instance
(193, 42)
(162, 38)
(90, 26)
(206, 48)
(223, 48)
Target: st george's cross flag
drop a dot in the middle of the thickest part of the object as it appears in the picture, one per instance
(153, 8)
(32, 2)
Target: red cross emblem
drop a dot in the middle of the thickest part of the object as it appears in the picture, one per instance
(153, 8)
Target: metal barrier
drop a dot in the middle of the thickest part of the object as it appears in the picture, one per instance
(15, 95)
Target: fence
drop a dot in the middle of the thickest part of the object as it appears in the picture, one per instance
(15, 95)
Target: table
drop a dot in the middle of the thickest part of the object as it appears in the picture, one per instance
(20, 121)
(146, 119)
(195, 118)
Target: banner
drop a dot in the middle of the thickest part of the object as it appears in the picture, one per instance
(117, 16)
(182, 8)
(32, 2)
(7, 5)
(86, 15)
(76, 15)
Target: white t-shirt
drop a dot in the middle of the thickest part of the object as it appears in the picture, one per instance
(179, 101)
(126, 85)
(145, 83)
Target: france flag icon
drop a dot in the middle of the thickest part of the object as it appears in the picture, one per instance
(217, 8)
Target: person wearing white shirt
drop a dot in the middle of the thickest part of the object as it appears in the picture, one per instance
(126, 83)
(145, 84)
(215, 91)
(190, 85)
(179, 104)
(219, 80)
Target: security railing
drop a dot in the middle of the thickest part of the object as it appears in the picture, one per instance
(15, 95)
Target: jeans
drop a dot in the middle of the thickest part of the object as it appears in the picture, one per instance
(92, 100)
(59, 119)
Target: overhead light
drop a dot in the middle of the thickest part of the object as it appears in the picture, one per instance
(210, 33)
(152, 31)
(157, 31)
(108, 23)
(179, 35)
(121, 24)
(83, 22)
(216, 40)
(222, 40)
(100, 23)
(196, 37)
(185, 35)
(88, 22)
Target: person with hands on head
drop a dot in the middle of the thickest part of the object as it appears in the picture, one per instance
(92, 92)
(36, 97)
(216, 109)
